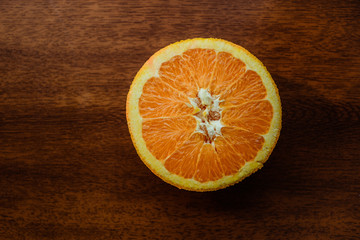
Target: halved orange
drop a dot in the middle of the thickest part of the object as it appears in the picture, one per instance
(203, 114)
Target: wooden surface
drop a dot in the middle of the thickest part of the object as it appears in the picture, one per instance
(68, 169)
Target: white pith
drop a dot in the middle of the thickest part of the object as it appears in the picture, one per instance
(205, 125)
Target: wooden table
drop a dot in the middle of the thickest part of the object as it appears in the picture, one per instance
(68, 169)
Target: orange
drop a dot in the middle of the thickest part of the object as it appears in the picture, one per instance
(203, 114)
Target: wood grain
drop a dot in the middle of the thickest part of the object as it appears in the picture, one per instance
(68, 169)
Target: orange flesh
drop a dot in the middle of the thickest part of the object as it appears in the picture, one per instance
(169, 127)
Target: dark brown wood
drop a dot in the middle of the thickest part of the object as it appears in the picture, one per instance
(68, 169)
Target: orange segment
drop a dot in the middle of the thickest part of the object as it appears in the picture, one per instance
(245, 144)
(183, 161)
(201, 63)
(230, 160)
(252, 116)
(248, 87)
(228, 70)
(164, 136)
(236, 147)
(208, 167)
(158, 100)
(176, 73)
